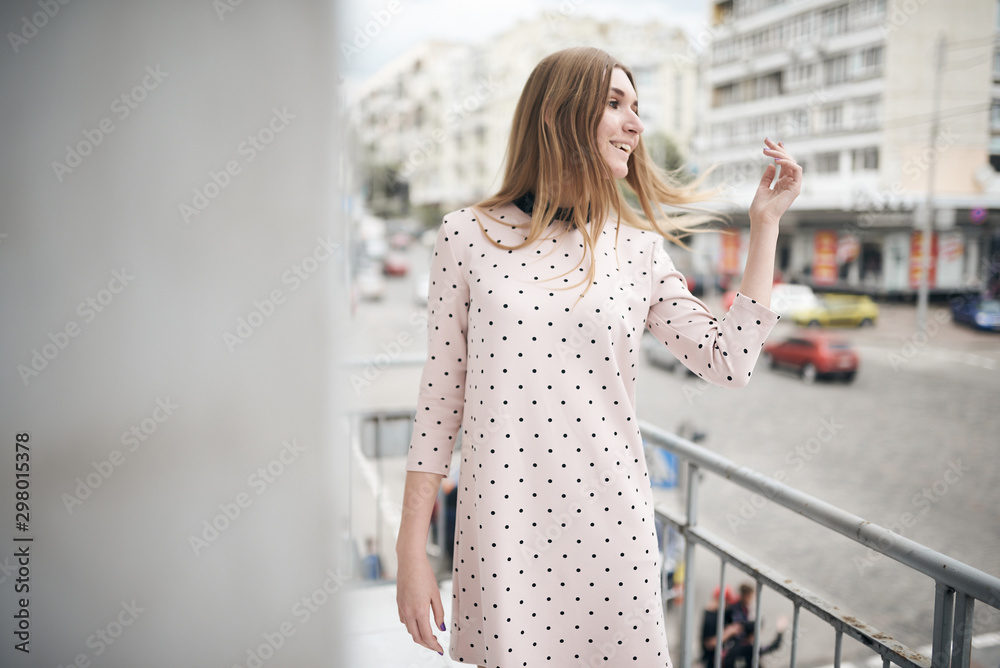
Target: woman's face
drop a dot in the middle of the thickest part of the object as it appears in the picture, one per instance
(620, 127)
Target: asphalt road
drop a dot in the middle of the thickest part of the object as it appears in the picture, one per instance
(912, 444)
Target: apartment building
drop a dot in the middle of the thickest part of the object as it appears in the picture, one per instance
(441, 112)
(849, 86)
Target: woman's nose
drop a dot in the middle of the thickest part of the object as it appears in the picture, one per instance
(634, 123)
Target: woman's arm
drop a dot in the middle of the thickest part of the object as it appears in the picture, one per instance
(766, 209)
(416, 586)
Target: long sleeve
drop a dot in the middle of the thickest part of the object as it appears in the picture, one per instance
(440, 401)
(723, 352)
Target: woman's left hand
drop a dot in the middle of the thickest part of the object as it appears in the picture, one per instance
(770, 203)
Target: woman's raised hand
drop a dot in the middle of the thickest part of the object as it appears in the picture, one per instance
(770, 203)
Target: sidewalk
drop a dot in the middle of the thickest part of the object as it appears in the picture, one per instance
(373, 636)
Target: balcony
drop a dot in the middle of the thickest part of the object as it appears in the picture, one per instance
(695, 559)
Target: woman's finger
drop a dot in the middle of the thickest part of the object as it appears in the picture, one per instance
(438, 611)
(411, 628)
(428, 639)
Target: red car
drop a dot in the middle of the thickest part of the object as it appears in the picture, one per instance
(813, 354)
(396, 264)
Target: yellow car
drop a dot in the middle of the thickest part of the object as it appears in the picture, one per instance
(836, 310)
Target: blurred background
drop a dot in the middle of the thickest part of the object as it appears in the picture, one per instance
(216, 230)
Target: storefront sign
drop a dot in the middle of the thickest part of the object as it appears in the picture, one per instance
(916, 259)
(824, 270)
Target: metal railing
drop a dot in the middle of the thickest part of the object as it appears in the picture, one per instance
(957, 585)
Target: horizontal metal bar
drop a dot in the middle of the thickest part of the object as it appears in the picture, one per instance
(383, 360)
(802, 598)
(940, 567)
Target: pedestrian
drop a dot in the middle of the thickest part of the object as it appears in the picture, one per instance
(372, 563)
(740, 611)
(709, 626)
(556, 560)
(740, 655)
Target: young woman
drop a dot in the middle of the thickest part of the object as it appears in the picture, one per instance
(538, 300)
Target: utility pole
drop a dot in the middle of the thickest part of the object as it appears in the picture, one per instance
(925, 236)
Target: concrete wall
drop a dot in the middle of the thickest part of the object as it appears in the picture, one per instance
(150, 408)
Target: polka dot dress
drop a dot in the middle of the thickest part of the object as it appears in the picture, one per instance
(556, 558)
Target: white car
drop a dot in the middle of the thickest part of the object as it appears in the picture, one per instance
(787, 298)
(420, 287)
(370, 284)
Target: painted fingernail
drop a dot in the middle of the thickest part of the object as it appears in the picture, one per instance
(441, 653)
(442, 626)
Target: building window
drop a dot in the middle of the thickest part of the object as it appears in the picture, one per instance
(800, 75)
(866, 12)
(833, 21)
(995, 116)
(726, 95)
(864, 158)
(868, 61)
(724, 50)
(799, 119)
(801, 28)
(865, 113)
(828, 163)
(996, 66)
(833, 118)
(769, 85)
(835, 70)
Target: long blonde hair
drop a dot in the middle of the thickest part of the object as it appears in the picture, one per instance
(553, 153)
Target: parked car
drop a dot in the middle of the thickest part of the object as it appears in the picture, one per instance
(396, 264)
(836, 310)
(400, 240)
(659, 356)
(370, 284)
(813, 354)
(786, 299)
(421, 286)
(975, 311)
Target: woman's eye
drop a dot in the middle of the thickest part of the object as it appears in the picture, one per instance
(614, 104)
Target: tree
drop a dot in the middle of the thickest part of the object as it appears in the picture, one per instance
(386, 194)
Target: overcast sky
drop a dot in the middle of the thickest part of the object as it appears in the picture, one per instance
(477, 20)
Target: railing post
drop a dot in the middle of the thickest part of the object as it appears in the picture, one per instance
(944, 605)
(379, 428)
(795, 634)
(720, 617)
(962, 644)
(353, 435)
(756, 626)
(687, 621)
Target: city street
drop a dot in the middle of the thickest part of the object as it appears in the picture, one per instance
(911, 445)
